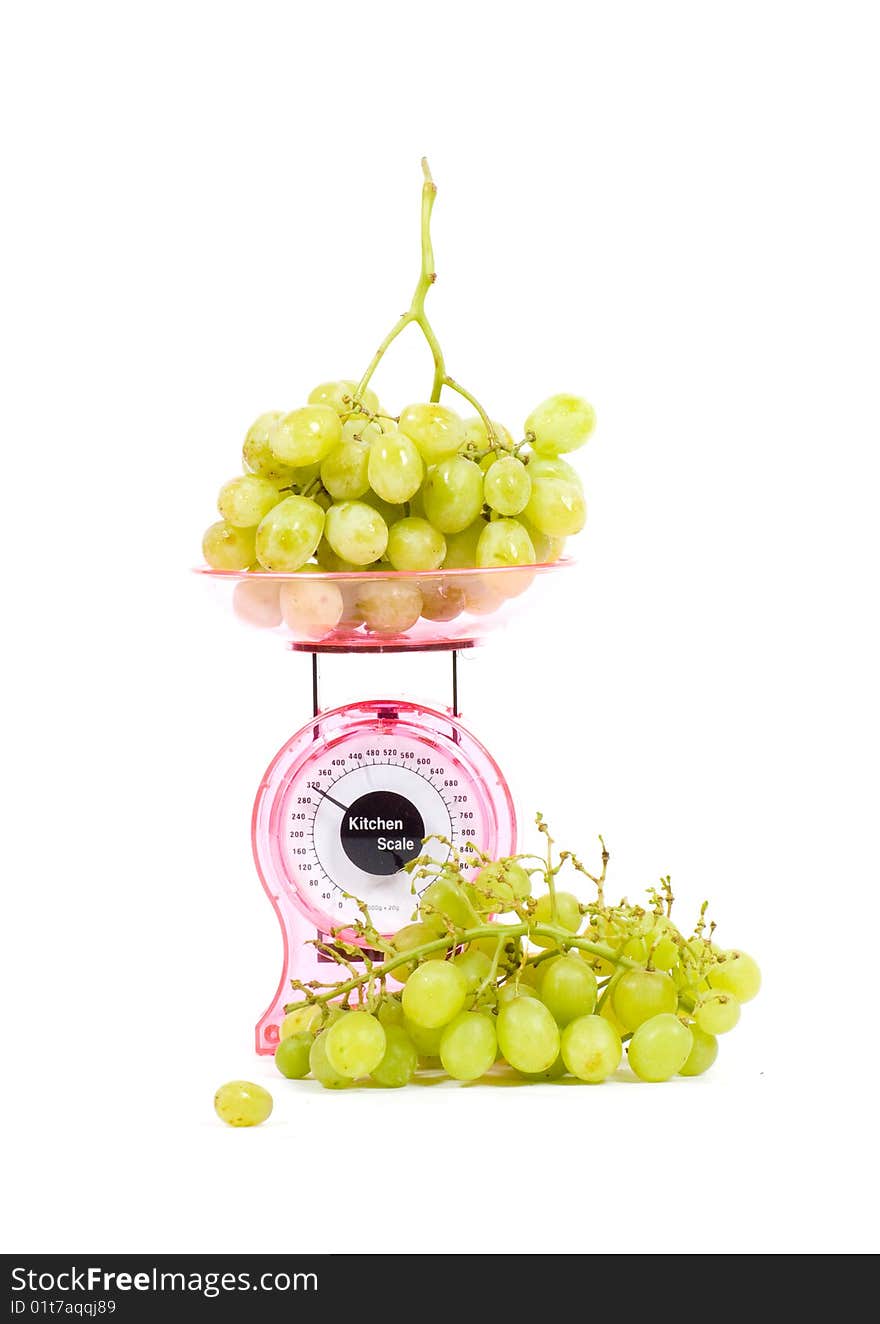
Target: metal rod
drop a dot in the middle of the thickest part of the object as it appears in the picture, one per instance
(455, 712)
(316, 699)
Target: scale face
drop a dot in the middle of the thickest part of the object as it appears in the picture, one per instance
(346, 804)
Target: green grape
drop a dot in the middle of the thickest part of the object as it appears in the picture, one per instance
(242, 1103)
(414, 544)
(245, 500)
(390, 514)
(556, 507)
(328, 560)
(320, 1067)
(568, 989)
(311, 607)
(461, 548)
(446, 898)
(333, 393)
(568, 915)
(562, 423)
(344, 471)
(427, 1042)
(307, 435)
(662, 945)
(355, 1044)
(228, 548)
(437, 431)
(387, 607)
(395, 468)
(716, 1012)
(555, 1071)
(527, 1034)
(390, 1010)
(736, 973)
(546, 466)
(307, 1016)
(591, 1048)
(504, 542)
(500, 886)
(292, 1055)
(468, 1046)
(507, 485)
(547, 549)
(510, 991)
(441, 601)
(641, 994)
(660, 1047)
(362, 429)
(399, 1062)
(702, 1055)
(416, 935)
(257, 602)
(434, 993)
(474, 965)
(477, 438)
(453, 494)
(356, 532)
(607, 1012)
(288, 536)
(483, 594)
(257, 453)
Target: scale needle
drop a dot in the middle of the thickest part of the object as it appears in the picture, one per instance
(325, 796)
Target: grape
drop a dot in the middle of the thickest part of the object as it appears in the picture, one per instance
(427, 1042)
(555, 1071)
(510, 991)
(736, 973)
(228, 548)
(257, 454)
(355, 1044)
(562, 423)
(332, 393)
(607, 1012)
(305, 1017)
(641, 994)
(328, 560)
(344, 471)
(500, 886)
(702, 1055)
(453, 494)
(292, 1055)
(257, 602)
(288, 535)
(356, 532)
(591, 1048)
(243, 501)
(395, 468)
(414, 544)
(461, 548)
(474, 965)
(362, 429)
(716, 1012)
(446, 899)
(547, 466)
(437, 431)
(504, 542)
(416, 935)
(399, 1062)
(441, 601)
(477, 438)
(390, 1010)
(662, 945)
(527, 1034)
(320, 1067)
(307, 435)
(568, 915)
(468, 1046)
(660, 1047)
(390, 513)
(389, 608)
(556, 507)
(547, 549)
(568, 989)
(483, 594)
(311, 607)
(241, 1103)
(434, 993)
(507, 485)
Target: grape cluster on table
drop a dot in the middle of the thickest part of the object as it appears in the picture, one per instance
(340, 486)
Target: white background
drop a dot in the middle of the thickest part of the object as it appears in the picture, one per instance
(672, 209)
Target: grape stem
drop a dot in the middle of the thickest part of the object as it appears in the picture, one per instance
(416, 313)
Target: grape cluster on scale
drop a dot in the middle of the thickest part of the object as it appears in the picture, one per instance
(340, 486)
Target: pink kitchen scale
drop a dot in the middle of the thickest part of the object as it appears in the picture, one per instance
(348, 800)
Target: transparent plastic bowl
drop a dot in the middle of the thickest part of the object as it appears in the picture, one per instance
(382, 610)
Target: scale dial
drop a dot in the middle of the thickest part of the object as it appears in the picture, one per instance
(347, 802)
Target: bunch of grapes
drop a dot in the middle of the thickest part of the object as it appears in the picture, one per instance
(556, 986)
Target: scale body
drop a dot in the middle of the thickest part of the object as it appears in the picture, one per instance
(345, 805)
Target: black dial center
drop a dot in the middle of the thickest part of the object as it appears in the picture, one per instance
(381, 832)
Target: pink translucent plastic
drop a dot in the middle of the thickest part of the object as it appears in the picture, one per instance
(289, 793)
(328, 612)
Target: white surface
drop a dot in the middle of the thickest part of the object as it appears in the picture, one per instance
(670, 208)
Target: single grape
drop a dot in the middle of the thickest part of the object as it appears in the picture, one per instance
(547, 549)
(716, 1012)
(243, 501)
(292, 1055)
(356, 532)
(328, 560)
(507, 485)
(568, 915)
(453, 494)
(390, 513)
(307, 435)
(660, 1047)
(258, 602)
(500, 886)
(441, 601)
(640, 995)
(555, 1071)
(427, 1042)
(311, 607)
(446, 899)
(547, 466)
(504, 542)
(242, 1103)
(434, 993)
(568, 989)
(288, 536)
(527, 1034)
(664, 944)
(395, 468)
(399, 1062)
(736, 973)
(414, 544)
(561, 423)
(344, 471)
(228, 548)
(390, 1010)
(474, 965)
(320, 1066)
(436, 431)
(389, 608)
(416, 935)
(362, 429)
(591, 1048)
(607, 1012)
(484, 594)
(461, 548)
(469, 1045)
(333, 393)
(556, 507)
(702, 1054)
(355, 1044)
(257, 454)
(511, 990)
(305, 1017)
(477, 438)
